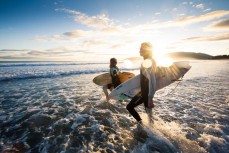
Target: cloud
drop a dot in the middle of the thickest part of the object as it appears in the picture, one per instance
(20, 51)
(100, 21)
(59, 49)
(200, 6)
(107, 34)
(36, 53)
(113, 29)
(52, 38)
(77, 33)
(67, 36)
(206, 17)
(99, 32)
(12, 57)
(184, 3)
(219, 25)
(14, 54)
(206, 10)
(182, 21)
(208, 38)
(157, 13)
(91, 43)
(13, 50)
(103, 27)
(182, 14)
(116, 46)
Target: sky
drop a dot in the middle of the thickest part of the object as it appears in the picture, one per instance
(96, 30)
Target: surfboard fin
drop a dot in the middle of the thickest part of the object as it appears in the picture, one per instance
(180, 79)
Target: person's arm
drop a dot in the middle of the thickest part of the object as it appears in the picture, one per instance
(150, 73)
(114, 72)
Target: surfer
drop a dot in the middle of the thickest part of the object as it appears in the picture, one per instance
(114, 71)
(148, 84)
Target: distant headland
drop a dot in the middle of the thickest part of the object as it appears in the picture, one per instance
(195, 56)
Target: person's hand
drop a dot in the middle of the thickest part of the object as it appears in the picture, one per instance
(150, 103)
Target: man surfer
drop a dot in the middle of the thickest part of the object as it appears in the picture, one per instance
(114, 71)
(148, 83)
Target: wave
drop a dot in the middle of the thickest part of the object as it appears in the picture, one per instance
(8, 77)
(47, 74)
(44, 64)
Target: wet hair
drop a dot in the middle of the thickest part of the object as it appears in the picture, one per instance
(113, 62)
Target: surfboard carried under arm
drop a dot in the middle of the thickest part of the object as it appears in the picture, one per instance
(105, 78)
(164, 77)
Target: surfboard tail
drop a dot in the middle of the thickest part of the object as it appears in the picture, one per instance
(183, 64)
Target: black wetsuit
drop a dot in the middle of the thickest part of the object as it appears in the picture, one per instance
(140, 98)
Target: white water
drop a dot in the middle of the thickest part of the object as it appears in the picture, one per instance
(67, 113)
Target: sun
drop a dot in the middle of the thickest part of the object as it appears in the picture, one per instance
(135, 62)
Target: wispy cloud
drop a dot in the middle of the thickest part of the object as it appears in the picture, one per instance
(200, 6)
(219, 25)
(15, 54)
(184, 3)
(90, 43)
(13, 50)
(77, 33)
(116, 46)
(107, 36)
(100, 21)
(206, 17)
(13, 57)
(107, 25)
(58, 53)
(208, 38)
(52, 38)
(157, 13)
(206, 10)
(112, 30)
(60, 49)
(184, 20)
(37, 53)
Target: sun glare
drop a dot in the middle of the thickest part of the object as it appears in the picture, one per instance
(147, 63)
(164, 61)
(127, 64)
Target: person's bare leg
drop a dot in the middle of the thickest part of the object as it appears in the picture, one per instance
(149, 112)
(106, 93)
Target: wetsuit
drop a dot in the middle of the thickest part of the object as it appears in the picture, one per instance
(114, 71)
(148, 88)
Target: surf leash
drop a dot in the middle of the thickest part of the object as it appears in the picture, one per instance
(180, 79)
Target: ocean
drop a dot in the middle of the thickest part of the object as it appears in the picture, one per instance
(52, 107)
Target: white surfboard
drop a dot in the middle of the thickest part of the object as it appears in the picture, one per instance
(164, 77)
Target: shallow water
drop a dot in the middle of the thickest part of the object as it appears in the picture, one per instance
(57, 108)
